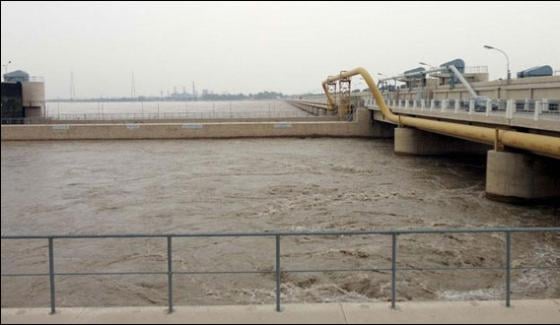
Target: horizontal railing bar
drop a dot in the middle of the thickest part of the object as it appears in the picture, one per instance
(107, 273)
(398, 268)
(301, 233)
(15, 275)
(453, 269)
(480, 268)
(336, 270)
(536, 268)
(283, 271)
(134, 273)
(221, 272)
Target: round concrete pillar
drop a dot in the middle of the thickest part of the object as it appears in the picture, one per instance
(512, 176)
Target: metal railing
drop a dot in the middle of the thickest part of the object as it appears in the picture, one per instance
(527, 109)
(155, 117)
(139, 111)
(394, 234)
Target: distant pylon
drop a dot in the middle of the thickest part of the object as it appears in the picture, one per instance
(132, 87)
(72, 87)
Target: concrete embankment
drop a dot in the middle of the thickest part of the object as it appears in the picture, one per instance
(460, 312)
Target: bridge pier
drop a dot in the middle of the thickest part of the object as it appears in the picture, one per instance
(382, 130)
(370, 127)
(514, 176)
(412, 141)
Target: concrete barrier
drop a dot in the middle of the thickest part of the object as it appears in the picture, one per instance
(362, 126)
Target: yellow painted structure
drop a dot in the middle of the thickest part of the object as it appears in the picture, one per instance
(540, 144)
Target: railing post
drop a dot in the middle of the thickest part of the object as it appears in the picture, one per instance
(538, 110)
(169, 275)
(51, 275)
(394, 271)
(510, 108)
(508, 269)
(278, 273)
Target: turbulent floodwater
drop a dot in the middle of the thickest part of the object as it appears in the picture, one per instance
(105, 187)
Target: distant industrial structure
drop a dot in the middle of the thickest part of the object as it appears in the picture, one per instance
(454, 80)
(22, 97)
(453, 86)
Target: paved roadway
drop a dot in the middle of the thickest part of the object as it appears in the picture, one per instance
(483, 312)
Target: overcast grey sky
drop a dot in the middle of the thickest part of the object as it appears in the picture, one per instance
(248, 47)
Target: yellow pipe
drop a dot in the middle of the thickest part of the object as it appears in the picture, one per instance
(330, 99)
(541, 144)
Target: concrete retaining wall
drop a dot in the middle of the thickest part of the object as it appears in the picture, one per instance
(361, 127)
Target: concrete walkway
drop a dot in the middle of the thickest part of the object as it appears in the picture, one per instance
(487, 312)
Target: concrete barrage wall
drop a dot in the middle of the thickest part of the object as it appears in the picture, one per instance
(360, 127)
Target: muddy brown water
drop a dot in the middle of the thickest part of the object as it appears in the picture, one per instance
(106, 187)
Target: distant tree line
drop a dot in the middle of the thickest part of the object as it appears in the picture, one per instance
(241, 96)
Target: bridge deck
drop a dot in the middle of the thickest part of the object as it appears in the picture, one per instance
(543, 121)
(518, 120)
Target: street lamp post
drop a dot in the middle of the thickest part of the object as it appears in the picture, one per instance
(488, 47)
(6, 67)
